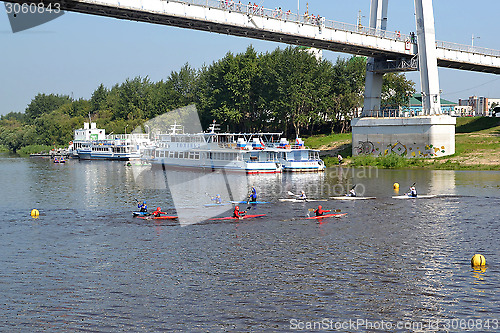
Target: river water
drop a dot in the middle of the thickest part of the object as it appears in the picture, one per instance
(389, 265)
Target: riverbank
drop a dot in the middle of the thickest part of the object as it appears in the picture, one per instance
(477, 142)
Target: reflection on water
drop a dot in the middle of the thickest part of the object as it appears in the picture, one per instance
(87, 264)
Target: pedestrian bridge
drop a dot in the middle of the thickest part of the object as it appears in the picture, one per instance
(246, 20)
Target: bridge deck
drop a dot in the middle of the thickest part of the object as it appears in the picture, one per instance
(228, 17)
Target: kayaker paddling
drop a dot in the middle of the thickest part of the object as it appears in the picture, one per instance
(142, 206)
(217, 199)
(413, 191)
(302, 196)
(158, 212)
(237, 213)
(352, 192)
(320, 211)
(253, 195)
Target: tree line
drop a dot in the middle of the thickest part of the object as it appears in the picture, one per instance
(286, 90)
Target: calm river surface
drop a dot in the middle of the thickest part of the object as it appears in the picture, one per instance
(390, 265)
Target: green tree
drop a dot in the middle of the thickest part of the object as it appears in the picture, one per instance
(395, 90)
(19, 116)
(303, 88)
(183, 85)
(134, 99)
(55, 128)
(348, 88)
(43, 104)
(11, 134)
(98, 99)
(227, 90)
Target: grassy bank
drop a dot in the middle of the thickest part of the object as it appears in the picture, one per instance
(34, 149)
(477, 147)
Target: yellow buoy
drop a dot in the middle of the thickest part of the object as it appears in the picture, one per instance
(35, 213)
(478, 260)
(396, 186)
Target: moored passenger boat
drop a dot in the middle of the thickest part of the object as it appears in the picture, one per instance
(83, 138)
(210, 151)
(109, 150)
(298, 157)
(92, 143)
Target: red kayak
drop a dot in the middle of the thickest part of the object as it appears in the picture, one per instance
(326, 215)
(165, 217)
(235, 218)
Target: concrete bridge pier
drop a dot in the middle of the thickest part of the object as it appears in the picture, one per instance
(421, 137)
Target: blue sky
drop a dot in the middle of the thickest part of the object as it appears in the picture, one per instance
(75, 53)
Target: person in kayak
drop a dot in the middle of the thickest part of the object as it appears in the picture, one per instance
(320, 211)
(302, 196)
(352, 193)
(237, 213)
(253, 195)
(413, 191)
(158, 212)
(142, 206)
(217, 199)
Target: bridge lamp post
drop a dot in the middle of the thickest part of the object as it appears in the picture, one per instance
(359, 19)
(474, 37)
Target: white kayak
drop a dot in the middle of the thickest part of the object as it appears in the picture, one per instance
(420, 196)
(300, 200)
(352, 198)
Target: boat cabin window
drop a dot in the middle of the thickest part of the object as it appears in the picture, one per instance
(314, 155)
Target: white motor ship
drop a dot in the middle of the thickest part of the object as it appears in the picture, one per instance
(297, 157)
(92, 143)
(211, 151)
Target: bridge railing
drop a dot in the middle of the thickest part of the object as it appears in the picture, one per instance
(467, 48)
(287, 15)
(386, 113)
(402, 112)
